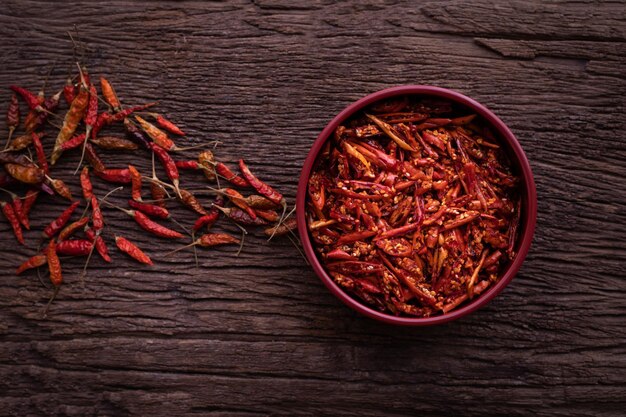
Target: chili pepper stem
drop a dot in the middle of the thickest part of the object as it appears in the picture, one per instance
(195, 250)
(214, 143)
(82, 153)
(296, 243)
(54, 294)
(11, 130)
(194, 243)
(41, 278)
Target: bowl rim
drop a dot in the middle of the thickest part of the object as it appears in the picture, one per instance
(528, 217)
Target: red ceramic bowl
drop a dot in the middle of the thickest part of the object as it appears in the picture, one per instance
(520, 164)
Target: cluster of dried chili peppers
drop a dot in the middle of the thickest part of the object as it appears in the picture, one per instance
(413, 207)
(80, 129)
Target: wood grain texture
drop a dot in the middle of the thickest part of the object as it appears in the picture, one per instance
(259, 334)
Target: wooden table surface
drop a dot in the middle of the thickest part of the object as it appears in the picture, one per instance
(259, 334)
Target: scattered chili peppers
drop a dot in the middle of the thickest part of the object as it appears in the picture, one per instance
(57, 224)
(99, 243)
(411, 213)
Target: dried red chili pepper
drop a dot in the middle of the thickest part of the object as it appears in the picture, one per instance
(207, 162)
(109, 94)
(18, 208)
(11, 216)
(241, 217)
(132, 250)
(72, 228)
(96, 215)
(69, 91)
(33, 102)
(70, 123)
(117, 176)
(190, 201)
(168, 165)
(136, 134)
(230, 176)
(40, 153)
(25, 174)
(237, 199)
(158, 193)
(158, 136)
(282, 229)
(29, 201)
(57, 224)
(19, 143)
(85, 184)
(167, 125)
(261, 188)
(32, 262)
(60, 188)
(54, 264)
(93, 158)
(37, 119)
(77, 247)
(191, 165)
(114, 144)
(149, 209)
(135, 179)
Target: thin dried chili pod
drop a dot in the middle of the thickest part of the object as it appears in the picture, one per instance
(191, 165)
(240, 216)
(54, 264)
(29, 201)
(74, 142)
(57, 224)
(207, 220)
(91, 114)
(117, 175)
(156, 229)
(60, 188)
(18, 208)
(285, 227)
(123, 114)
(109, 94)
(93, 158)
(72, 118)
(19, 143)
(33, 262)
(99, 243)
(96, 215)
(168, 164)
(13, 116)
(262, 188)
(25, 174)
(113, 143)
(190, 201)
(168, 125)
(135, 179)
(157, 135)
(214, 239)
(149, 209)
(207, 160)
(76, 247)
(260, 202)
(33, 102)
(230, 176)
(132, 250)
(158, 193)
(42, 161)
(269, 215)
(71, 228)
(11, 216)
(85, 183)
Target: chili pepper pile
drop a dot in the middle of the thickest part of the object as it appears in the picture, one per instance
(147, 134)
(413, 207)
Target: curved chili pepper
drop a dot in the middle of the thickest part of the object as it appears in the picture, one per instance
(93, 158)
(230, 176)
(261, 188)
(32, 262)
(60, 188)
(136, 134)
(54, 264)
(132, 250)
(168, 164)
(57, 224)
(71, 228)
(149, 209)
(207, 220)
(9, 213)
(238, 200)
(25, 174)
(167, 125)
(50, 104)
(40, 153)
(31, 99)
(99, 243)
(117, 176)
(74, 142)
(77, 247)
(150, 226)
(70, 123)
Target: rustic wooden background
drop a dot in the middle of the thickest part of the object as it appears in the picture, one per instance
(259, 334)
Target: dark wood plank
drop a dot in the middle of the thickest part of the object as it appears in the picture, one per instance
(259, 334)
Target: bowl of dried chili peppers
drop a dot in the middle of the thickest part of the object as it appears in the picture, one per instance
(416, 205)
